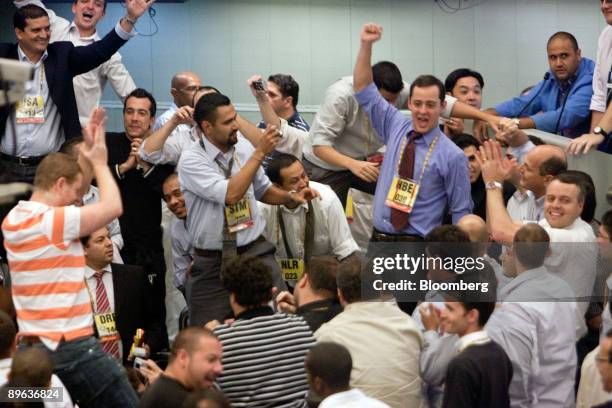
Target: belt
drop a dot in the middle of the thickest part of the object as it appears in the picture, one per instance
(378, 236)
(217, 252)
(23, 161)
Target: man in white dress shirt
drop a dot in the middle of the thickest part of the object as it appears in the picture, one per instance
(88, 87)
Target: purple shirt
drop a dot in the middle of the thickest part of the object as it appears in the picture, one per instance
(446, 183)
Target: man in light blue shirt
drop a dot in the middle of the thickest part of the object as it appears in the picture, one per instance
(559, 103)
(445, 183)
(222, 175)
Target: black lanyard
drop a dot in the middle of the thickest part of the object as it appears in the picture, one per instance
(308, 232)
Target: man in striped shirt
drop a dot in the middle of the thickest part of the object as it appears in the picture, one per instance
(48, 271)
(263, 351)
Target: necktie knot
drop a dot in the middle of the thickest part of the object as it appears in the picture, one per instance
(414, 135)
(98, 275)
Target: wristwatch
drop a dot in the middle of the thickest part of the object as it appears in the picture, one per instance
(600, 131)
(516, 121)
(492, 185)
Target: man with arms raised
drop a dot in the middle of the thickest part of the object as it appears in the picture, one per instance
(48, 271)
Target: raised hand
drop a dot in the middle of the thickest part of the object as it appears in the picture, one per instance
(584, 143)
(371, 33)
(494, 165)
(184, 116)
(136, 8)
(256, 93)
(94, 147)
(269, 140)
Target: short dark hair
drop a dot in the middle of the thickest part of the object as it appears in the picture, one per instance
(387, 76)
(564, 35)
(206, 107)
(606, 222)
(33, 366)
(29, 11)
(590, 199)
(279, 162)
(577, 180)
(531, 243)
(448, 241)
(322, 272)
(212, 396)
(354, 279)
(201, 89)
(456, 75)
(287, 86)
(425, 81)
(8, 331)
(464, 140)
(553, 166)
(485, 310)
(69, 147)
(141, 93)
(105, 3)
(331, 362)
(249, 280)
(187, 339)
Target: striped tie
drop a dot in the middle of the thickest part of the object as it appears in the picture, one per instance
(103, 306)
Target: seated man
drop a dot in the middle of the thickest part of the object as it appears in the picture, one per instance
(300, 232)
(559, 103)
(466, 85)
(385, 344)
(120, 294)
(264, 352)
(314, 296)
(329, 367)
(536, 326)
(194, 364)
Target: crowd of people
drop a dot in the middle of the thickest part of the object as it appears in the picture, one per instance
(283, 234)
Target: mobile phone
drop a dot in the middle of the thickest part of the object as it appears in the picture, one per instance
(259, 85)
(139, 362)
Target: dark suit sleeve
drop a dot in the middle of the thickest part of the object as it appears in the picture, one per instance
(460, 385)
(154, 331)
(84, 59)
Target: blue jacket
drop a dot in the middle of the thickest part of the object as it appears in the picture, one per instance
(576, 119)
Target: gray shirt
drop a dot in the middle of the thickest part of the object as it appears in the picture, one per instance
(182, 251)
(205, 186)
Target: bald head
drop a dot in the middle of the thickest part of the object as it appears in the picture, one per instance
(183, 86)
(541, 165)
(475, 227)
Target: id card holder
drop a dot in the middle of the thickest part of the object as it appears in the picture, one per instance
(292, 268)
(402, 194)
(106, 326)
(238, 216)
(31, 109)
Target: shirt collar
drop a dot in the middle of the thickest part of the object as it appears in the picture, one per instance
(428, 137)
(89, 272)
(256, 312)
(73, 27)
(479, 337)
(23, 57)
(214, 153)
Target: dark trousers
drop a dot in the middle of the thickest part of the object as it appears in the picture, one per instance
(154, 265)
(339, 181)
(207, 298)
(17, 173)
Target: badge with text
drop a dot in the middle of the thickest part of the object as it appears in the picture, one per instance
(107, 329)
(238, 216)
(402, 194)
(292, 268)
(31, 109)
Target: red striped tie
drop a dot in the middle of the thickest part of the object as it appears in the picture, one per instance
(103, 306)
(399, 219)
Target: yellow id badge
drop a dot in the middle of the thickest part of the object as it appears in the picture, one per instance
(31, 109)
(238, 216)
(107, 329)
(292, 268)
(402, 194)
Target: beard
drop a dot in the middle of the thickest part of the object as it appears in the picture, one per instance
(232, 139)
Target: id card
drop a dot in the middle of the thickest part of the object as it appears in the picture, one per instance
(105, 324)
(238, 216)
(292, 268)
(402, 194)
(31, 109)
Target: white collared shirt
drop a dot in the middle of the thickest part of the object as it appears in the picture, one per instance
(92, 284)
(179, 140)
(525, 207)
(166, 116)
(475, 338)
(35, 139)
(353, 398)
(88, 87)
(114, 229)
(331, 230)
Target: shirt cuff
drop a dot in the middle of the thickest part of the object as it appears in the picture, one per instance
(430, 336)
(144, 175)
(119, 175)
(124, 35)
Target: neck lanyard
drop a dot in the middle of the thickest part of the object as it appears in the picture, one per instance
(227, 171)
(307, 237)
(41, 77)
(427, 156)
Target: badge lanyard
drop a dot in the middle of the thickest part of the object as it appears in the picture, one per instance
(425, 162)
(308, 235)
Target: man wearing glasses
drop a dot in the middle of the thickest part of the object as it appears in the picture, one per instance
(182, 88)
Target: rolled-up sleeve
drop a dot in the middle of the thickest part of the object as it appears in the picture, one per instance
(458, 188)
(383, 116)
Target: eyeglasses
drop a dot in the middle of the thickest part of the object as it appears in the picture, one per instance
(192, 88)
